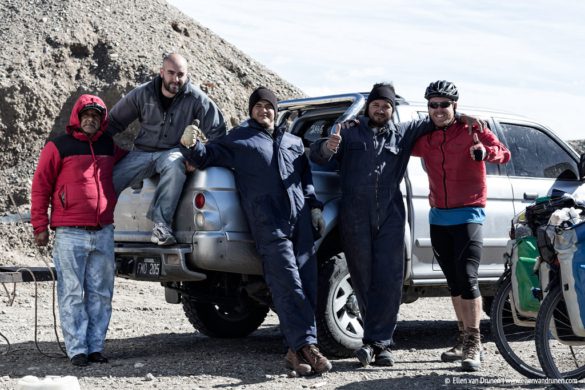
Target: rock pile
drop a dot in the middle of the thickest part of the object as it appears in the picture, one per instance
(55, 50)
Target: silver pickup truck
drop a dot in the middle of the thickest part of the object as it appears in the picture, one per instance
(215, 272)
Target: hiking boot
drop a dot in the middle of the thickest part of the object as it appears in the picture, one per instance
(79, 360)
(319, 363)
(162, 235)
(455, 353)
(383, 357)
(365, 354)
(296, 363)
(471, 350)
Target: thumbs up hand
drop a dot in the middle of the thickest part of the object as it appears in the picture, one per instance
(335, 138)
(477, 150)
(191, 134)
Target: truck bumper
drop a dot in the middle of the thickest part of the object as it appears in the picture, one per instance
(225, 252)
(154, 263)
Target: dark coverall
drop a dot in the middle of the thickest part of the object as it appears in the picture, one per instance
(276, 189)
(372, 217)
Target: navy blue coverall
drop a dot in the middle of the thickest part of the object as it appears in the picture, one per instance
(372, 217)
(276, 189)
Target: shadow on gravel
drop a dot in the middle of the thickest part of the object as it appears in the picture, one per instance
(451, 382)
(252, 360)
(431, 334)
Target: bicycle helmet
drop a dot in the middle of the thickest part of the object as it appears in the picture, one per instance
(442, 88)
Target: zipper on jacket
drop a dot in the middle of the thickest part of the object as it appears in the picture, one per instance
(97, 183)
(164, 124)
(63, 198)
(444, 130)
(377, 183)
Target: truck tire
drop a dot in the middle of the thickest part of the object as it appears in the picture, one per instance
(339, 325)
(224, 321)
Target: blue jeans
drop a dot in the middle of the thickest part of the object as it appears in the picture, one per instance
(85, 266)
(139, 165)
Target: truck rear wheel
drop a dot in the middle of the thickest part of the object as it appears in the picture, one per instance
(225, 320)
(339, 324)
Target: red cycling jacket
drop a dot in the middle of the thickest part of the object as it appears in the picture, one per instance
(455, 179)
(74, 176)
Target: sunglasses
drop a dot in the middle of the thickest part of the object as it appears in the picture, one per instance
(444, 104)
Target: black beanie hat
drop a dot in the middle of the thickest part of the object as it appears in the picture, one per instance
(262, 93)
(382, 91)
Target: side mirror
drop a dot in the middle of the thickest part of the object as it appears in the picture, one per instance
(582, 167)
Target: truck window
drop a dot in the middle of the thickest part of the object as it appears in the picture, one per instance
(316, 130)
(536, 154)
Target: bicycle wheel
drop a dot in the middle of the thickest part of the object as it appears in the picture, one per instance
(515, 343)
(559, 359)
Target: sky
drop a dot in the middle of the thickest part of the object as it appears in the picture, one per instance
(524, 57)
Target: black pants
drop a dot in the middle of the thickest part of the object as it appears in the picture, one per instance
(458, 251)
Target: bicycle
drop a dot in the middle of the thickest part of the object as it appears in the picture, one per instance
(517, 299)
(560, 330)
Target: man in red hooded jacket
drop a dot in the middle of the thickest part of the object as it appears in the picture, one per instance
(74, 178)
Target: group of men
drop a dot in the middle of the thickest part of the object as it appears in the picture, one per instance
(81, 173)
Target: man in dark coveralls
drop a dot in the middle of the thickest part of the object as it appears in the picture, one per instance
(276, 188)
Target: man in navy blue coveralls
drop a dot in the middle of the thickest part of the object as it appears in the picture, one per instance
(276, 188)
(373, 157)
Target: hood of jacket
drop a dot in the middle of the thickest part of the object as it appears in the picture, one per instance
(73, 128)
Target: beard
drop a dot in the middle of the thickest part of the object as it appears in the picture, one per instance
(172, 88)
(267, 124)
(378, 121)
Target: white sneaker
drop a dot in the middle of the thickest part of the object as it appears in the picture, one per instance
(162, 235)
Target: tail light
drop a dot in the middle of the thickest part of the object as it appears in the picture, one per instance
(199, 200)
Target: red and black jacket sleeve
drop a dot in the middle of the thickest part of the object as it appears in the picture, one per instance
(43, 184)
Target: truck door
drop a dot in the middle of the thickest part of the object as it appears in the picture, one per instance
(541, 163)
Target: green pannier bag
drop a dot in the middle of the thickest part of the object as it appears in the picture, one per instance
(524, 280)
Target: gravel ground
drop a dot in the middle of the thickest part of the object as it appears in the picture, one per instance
(151, 345)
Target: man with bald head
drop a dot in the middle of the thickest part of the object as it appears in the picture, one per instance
(164, 107)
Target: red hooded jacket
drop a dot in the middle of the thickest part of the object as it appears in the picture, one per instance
(455, 180)
(74, 176)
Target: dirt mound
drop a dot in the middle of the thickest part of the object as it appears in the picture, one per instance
(54, 51)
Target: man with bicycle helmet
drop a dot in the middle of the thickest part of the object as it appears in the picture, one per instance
(454, 160)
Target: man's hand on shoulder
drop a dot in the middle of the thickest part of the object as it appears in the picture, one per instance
(473, 123)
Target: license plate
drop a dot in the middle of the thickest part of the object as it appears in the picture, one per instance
(148, 268)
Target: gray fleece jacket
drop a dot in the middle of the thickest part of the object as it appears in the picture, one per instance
(159, 129)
